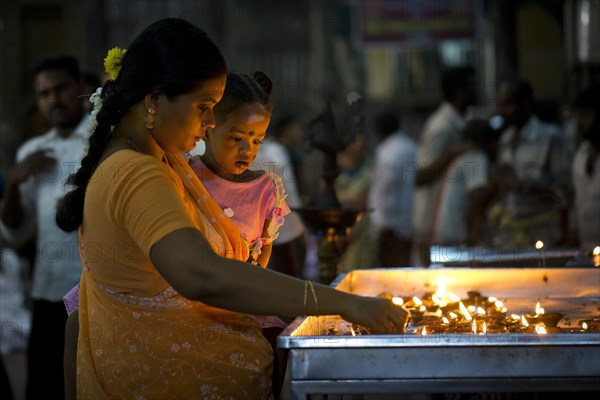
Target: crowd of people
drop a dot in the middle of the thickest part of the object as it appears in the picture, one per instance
(506, 182)
(177, 266)
(472, 182)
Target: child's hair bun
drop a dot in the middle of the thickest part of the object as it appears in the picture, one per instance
(264, 81)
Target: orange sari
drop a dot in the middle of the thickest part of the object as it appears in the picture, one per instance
(138, 337)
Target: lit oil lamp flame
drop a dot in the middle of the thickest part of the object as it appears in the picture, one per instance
(454, 298)
(499, 304)
(504, 309)
(398, 301)
(424, 331)
(440, 302)
(596, 255)
(538, 309)
(539, 245)
(524, 321)
(352, 331)
(471, 308)
(474, 326)
(422, 308)
(480, 311)
(492, 299)
(464, 311)
(446, 321)
(484, 328)
(441, 290)
(515, 316)
(438, 313)
(417, 301)
(453, 315)
(540, 330)
(584, 325)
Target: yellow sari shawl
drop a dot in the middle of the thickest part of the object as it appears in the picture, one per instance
(138, 337)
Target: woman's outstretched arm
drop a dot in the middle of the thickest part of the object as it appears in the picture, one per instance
(186, 260)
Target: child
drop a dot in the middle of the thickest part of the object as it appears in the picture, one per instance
(254, 200)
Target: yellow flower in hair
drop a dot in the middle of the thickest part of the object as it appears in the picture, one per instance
(112, 62)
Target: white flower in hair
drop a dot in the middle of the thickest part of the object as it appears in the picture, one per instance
(96, 100)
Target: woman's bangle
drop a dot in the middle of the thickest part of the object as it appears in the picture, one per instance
(305, 293)
(312, 289)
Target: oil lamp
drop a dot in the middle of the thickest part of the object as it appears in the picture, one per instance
(539, 245)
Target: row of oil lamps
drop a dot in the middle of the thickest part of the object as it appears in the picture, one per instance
(443, 312)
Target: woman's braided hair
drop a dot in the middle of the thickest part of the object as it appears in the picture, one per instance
(171, 56)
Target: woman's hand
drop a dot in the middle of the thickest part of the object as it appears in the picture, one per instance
(377, 314)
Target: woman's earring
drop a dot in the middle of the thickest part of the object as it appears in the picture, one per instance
(150, 118)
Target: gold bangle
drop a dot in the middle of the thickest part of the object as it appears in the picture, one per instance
(305, 293)
(312, 289)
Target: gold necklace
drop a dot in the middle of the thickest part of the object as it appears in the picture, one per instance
(129, 143)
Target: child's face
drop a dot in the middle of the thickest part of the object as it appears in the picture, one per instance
(234, 142)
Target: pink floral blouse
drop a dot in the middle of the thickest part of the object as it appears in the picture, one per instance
(248, 204)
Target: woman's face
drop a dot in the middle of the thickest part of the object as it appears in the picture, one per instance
(234, 143)
(183, 120)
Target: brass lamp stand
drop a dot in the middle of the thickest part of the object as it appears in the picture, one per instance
(331, 134)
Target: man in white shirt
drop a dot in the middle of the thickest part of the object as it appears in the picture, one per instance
(392, 192)
(439, 144)
(460, 218)
(533, 178)
(33, 189)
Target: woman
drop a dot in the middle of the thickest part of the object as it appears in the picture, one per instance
(161, 312)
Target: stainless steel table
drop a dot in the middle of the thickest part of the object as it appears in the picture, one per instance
(508, 362)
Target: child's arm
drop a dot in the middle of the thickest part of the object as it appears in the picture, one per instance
(265, 251)
(277, 211)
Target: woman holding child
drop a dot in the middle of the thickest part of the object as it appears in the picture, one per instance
(162, 312)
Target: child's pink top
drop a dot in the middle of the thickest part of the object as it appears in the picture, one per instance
(71, 300)
(248, 204)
